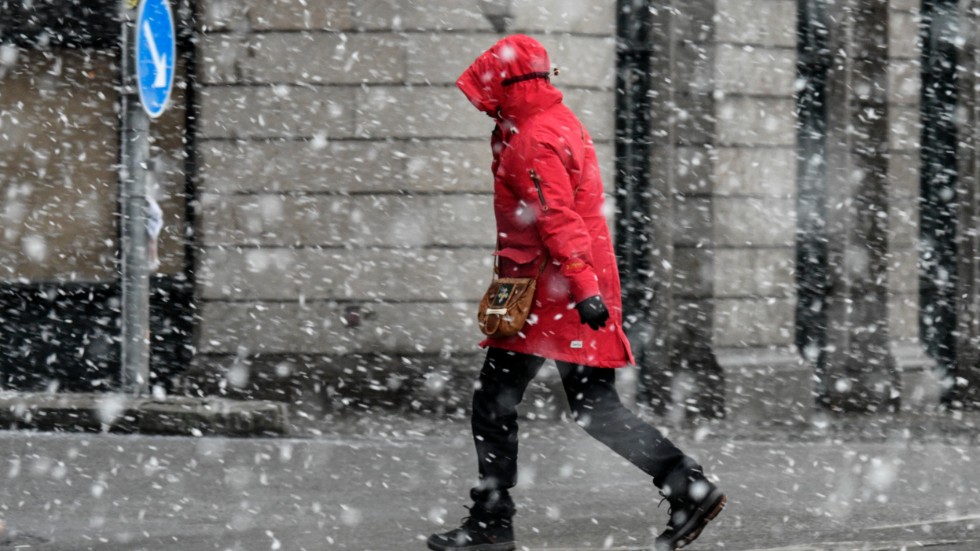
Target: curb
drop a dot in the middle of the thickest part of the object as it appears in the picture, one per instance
(173, 415)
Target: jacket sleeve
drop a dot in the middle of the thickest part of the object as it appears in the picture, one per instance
(545, 183)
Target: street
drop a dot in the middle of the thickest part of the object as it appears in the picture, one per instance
(386, 484)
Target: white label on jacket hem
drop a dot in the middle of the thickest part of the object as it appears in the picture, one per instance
(576, 344)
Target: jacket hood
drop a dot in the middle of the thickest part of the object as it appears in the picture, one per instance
(498, 81)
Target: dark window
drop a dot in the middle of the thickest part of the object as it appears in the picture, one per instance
(73, 23)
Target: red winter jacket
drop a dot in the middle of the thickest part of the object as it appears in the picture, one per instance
(548, 200)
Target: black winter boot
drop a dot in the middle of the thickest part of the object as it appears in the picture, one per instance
(694, 501)
(488, 528)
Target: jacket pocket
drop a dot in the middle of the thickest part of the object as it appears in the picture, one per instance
(518, 256)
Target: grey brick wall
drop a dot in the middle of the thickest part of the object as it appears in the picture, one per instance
(342, 172)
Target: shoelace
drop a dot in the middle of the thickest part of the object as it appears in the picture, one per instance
(470, 521)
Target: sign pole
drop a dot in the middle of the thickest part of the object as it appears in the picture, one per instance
(134, 153)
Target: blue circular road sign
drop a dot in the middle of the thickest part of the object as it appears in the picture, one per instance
(156, 52)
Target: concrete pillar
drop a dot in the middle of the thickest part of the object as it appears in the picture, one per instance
(966, 375)
(723, 182)
(859, 369)
(683, 375)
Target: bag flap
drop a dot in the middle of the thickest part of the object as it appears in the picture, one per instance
(507, 291)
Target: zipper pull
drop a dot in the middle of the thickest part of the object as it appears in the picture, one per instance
(537, 185)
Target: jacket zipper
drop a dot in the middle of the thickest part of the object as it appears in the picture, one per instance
(537, 185)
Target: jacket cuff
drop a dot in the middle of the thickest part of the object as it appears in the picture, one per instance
(584, 283)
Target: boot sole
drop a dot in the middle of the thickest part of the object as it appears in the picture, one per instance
(719, 500)
(503, 546)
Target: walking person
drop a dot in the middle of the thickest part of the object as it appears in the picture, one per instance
(548, 204)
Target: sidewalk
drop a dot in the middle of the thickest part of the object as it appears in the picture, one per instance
(384, 482)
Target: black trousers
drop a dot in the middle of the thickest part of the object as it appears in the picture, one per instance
(595, 405)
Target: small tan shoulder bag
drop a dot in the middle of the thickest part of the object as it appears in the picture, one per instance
(507, 303)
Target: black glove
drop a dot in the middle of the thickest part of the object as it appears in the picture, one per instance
(593, 312)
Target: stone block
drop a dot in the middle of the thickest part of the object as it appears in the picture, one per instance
(903, 174)
(418, 112)
(757, 22)
(903, 222)
(441, 58)
(905, 5)
(693, 20)
(296, 15)
(317, 165)
(741, 322)
(756, 121)
(213, 416)
(223, 15)
(595, 109)
(341, 166)
(588, 61)
(904, 81)
(693, 221)
(769, 171)
(339, 274)
(74, 412)
(695, 170)
(584, 61)
(459, 220)
(606, 154)
(324, 58)
(922, 389)
(903, 35)
(279, 111)
(220, 57)
(446, 165)
(83, 412)
(688, 120)
(766, 385)
(755, 71)
(339, 221)
(691, 68)
(315, 384)
(903, 315)
(755, 272)
(904, 128)
(400, 15)
(561, 16)
(903, 270)
(747, 221)
(693, 272)
(407, 328)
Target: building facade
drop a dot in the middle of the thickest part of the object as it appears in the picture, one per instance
(328, 199)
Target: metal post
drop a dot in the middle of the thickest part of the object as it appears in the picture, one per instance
(134, 152)
(813, 62)
(634, 193)
(937, 215)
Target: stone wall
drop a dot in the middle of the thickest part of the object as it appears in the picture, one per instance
(345, 195)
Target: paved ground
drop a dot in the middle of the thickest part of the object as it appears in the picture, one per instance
(386, 484)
